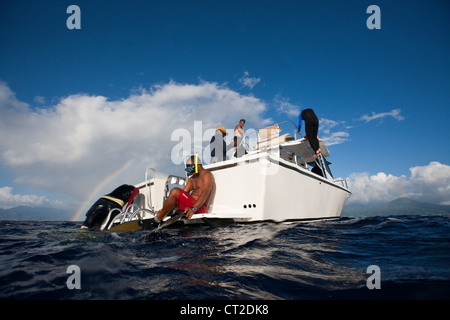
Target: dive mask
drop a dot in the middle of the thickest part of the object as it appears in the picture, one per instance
(190, 169)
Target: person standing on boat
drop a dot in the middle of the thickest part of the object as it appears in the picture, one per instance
(218, 146)
(238, 137)
(311, 128)
(195, 196)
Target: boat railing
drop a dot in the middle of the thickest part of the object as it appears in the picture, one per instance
(171, 182)
(319, 161)
(133, 212)
(148, 192)
(294, 157)
(253, 140)
(323, 165)
(341, 182)
(293, 124)
(269, 138)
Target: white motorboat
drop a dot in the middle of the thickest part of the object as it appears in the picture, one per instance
(277, 180)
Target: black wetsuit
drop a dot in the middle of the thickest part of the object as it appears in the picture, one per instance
(311, 127)
(100, 209)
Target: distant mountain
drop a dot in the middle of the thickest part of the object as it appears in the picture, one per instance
(400, 206)
(35, 214)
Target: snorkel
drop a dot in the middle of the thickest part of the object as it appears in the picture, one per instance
(196, 162)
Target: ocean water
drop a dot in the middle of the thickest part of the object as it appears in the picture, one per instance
(292, 260)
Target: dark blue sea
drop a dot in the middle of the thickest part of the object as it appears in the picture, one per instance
(269, 261)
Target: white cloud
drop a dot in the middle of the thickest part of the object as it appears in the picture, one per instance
(8, 101)
(326, 127)
(39, 100)
(337, 132)
(430, 183)
(395, 113)
(434, 182)
(248, 81)
(376, 188)
(283, 106)
(336, 138)
(10, 200)
(82, 140)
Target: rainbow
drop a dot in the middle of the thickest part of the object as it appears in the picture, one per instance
(83, 207)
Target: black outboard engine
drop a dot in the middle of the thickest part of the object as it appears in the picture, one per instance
(97, 214)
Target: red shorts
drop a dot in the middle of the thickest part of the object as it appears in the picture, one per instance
(185, 200)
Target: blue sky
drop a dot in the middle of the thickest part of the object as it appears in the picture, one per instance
(382, 96)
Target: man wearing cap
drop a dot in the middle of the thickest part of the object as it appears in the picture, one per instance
(195, 196)
(218, 146)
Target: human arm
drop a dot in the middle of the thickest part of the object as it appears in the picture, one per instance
(299, 123)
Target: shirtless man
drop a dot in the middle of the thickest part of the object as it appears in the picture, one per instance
(201, 187)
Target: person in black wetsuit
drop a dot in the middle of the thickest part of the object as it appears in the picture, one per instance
(311, 128)
(99, 211)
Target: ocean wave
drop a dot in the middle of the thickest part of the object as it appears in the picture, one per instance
(294, 260)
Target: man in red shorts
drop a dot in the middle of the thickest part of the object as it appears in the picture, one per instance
(195, 196)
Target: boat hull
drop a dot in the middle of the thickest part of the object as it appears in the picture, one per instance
(266, 188)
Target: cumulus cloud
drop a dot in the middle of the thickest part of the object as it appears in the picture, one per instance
(395, 113)
(8, 101)
(247, 81)
(70, 146)
(434, 182)
(430, 183)
(8, 200)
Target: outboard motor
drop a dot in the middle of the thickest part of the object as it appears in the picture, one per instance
(97, 214)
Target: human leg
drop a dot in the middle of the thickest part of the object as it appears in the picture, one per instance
(169, 205)
(315, 140)
(311, 129)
